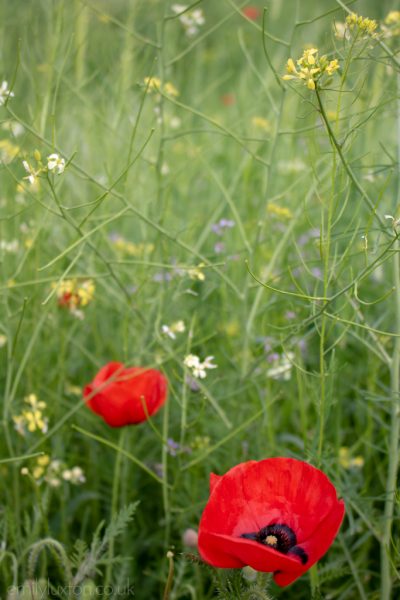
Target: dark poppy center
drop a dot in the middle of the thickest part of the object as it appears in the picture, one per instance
(280, 537)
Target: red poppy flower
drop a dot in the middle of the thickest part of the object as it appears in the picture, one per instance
(228, 99)
(123, 392)
(251, 12)
(276, 515)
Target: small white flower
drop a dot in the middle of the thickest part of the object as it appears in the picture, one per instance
(9, 246)
(170, 331)
(207, 364)
(282, 368)
(198, 368)
(5, 92)
(32, 174)
(175, 123)
(178, 8)
(3, 340)
(164, 169)
(74, 475)
(167, 331)
(14, 127)
(190, 20)
(191, 360)
(55, 162)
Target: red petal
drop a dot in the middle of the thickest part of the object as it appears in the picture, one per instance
(213, 481)
(320, 541)
(123, 393)
(217, 549)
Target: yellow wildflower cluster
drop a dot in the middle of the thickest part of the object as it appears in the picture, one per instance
(130, 248)
(196, 273)
(154, 84)
(311, 68)
(391, 24)
(31, 419)
(53, 472)
(72, 293)
(364, 25)
(347, 462)
(279, 211)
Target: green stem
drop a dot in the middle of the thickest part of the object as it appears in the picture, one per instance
(325, 248)
(393, 454)
(114, 505)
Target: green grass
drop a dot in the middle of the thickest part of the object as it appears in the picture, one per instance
(319, 281)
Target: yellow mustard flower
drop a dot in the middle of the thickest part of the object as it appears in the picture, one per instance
(364, 25)
(279, 211)
(310, 68)
(261, 123)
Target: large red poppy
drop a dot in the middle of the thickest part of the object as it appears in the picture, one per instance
(276, 515)
(123, 394)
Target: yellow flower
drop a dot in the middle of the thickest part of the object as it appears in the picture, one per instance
(44, 460)
(153, 84)
(363, 24)
(332, 66)
(279, 211)
(391, 25)
(170, 89)
(86, 292)
(34, 403)
(290, 66)
(261, 123)
(34, 420)
(37, 472)
(311, 68)
(197, 273)
(393, 18)
(347, 462)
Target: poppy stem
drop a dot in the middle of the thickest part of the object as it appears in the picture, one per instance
(168, 585)
(114, 504)
(314, 580)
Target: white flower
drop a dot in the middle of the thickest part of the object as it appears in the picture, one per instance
(74, 475)
(170, 331)
(164, 169)
(167, 331)
(175, 122)
(55, 162)
(198, 368)
(14, 127)
(282, 368)
(32, 174)
(190, 20)
(5, 93)
(3, 340)
(9, 246)
(178, 8)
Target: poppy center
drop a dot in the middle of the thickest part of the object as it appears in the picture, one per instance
(271, 540)
(280, 537)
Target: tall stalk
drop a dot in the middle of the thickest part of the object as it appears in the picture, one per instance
(393, 456)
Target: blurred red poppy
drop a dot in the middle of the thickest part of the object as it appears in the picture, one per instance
(228, 99)
(123, 394)
(276, 515)
(251, 12)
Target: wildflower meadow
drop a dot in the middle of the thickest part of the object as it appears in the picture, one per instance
(200, 299)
